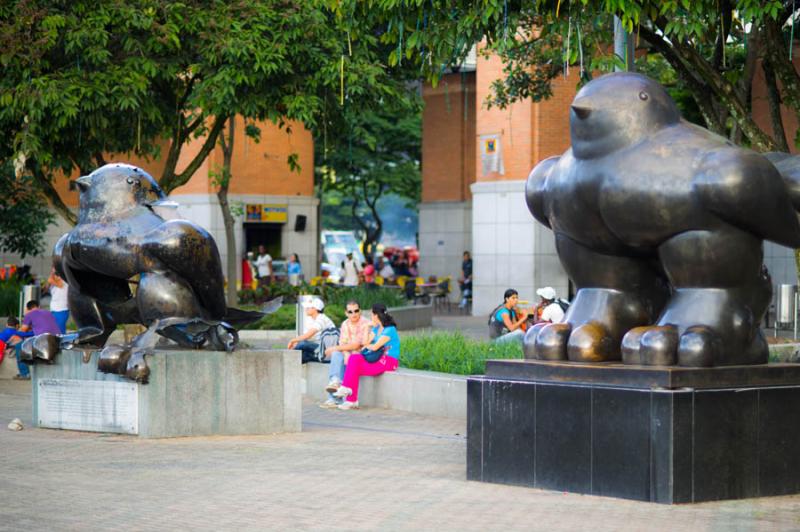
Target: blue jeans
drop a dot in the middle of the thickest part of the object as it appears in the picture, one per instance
(61, 317)
(336, 371)
(309, 350)
(22, 368)
(514, 336)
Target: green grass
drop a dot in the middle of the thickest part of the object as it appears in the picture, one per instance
(451, 352)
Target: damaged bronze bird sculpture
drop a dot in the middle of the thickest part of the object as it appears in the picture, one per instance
(125, 264)
(660, 225)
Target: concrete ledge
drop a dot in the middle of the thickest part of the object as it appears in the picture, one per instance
(409, 390)
(190, 393)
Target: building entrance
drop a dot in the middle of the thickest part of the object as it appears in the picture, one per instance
(263, 234)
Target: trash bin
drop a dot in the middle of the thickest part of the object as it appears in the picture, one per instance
(27, 293)
(785, 310)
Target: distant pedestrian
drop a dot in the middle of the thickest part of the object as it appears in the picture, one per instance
(294, 270)
(465, 281)
(351, 270)
(264, 266)
(58, 300)
(38, 321)
(10, 342)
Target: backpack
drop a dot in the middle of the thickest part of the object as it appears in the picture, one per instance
(497, 328)
(563, 303)
(327, 338)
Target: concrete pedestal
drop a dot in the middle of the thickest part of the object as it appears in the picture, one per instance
(190, 393)
(667, 435)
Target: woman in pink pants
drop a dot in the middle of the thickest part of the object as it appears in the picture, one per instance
(384, 348)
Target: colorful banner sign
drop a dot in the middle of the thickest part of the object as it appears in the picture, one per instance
(267, 212)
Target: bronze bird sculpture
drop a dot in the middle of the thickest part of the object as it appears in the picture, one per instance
(126, 264)
(660, 224)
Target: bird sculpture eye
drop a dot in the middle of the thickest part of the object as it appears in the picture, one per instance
(133, 182)
(643, 96)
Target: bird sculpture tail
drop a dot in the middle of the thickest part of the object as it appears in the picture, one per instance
(239, 318)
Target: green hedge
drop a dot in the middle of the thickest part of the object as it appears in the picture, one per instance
(9, 297)
(331, 294)
(451, 352)
(335, 299)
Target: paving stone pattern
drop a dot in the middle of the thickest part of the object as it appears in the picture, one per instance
(357, 470)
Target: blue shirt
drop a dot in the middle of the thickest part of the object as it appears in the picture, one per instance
(393, 345)
(503, 310)
(294, 268)
(8, 332)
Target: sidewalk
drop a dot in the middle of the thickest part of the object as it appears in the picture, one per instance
(355, 470)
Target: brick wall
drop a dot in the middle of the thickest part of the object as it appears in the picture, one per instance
(448, 132)
(258, 168)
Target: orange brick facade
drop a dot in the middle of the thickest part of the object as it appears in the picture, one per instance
(448, 166)
(257, 167)
(456, 115)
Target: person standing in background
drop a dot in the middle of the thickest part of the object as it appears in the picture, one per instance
(58, 300)
(264, 266)
(294, 270)
(351, 270)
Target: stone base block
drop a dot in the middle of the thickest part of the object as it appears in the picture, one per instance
(190, 393)
(568, 431)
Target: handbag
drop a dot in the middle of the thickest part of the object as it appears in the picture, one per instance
(373, 356)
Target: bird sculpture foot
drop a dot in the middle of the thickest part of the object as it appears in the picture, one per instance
(698, 346)
(547, 341)
(136, 368)
(42, 347)
(591, 342)
(651, 346)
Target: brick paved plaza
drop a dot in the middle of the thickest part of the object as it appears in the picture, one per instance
(369, 469)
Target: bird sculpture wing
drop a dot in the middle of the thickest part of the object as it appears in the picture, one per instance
(190, 252)
(743, 188)
(535, 188)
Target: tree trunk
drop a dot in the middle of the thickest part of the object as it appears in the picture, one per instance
(774, 99)
(231, 264)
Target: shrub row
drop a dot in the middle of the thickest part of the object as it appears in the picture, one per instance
(451, 352)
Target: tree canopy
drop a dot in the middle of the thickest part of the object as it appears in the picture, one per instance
(82, 79)
(377, 152)
(712, 46)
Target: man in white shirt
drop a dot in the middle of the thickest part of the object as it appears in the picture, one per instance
(351, 270)
(551, 310)
(264, 266)
(308, 342)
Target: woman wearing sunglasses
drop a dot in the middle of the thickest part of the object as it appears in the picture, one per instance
(353, 336)
(380, 355)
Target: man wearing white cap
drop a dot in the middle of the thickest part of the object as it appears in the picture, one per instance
(308, 342)
(551, 311)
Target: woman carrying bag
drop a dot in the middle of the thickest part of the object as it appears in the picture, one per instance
(380, 355)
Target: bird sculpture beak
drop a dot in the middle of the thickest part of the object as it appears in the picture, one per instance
(581, 111)
(83, 183)
(165, 203)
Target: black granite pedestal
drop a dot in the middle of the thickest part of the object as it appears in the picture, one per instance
(667, 435)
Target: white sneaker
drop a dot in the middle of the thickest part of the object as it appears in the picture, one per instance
(343, 391)
(348, 405)
(330, 403)
(333, 385)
